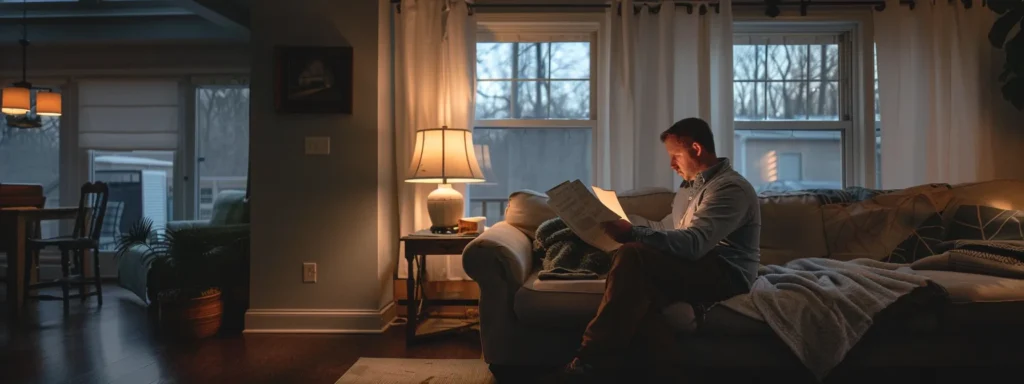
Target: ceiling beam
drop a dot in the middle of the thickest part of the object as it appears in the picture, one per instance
(83, 8)
(225, 13)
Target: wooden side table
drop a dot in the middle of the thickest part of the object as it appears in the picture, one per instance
(417, 250)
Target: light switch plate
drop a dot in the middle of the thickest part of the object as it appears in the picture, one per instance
(308, 272)
(318, 145)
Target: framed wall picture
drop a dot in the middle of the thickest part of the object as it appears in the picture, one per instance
(310, 79)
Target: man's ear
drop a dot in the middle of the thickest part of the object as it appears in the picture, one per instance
(697, 148)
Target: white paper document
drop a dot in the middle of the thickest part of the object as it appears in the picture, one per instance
(584, 208)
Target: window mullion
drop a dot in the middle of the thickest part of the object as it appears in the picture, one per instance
(514, 84)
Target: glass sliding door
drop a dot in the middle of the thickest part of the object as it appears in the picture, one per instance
(141, 185)
(222, 143)
(128, 132)
(30, 154)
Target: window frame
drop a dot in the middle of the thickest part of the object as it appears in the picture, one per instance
(552, 27)
(856, 122)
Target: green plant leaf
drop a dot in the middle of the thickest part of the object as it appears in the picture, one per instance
(1003, 25)
(1014, 50)
(1000, 7)
(1013, 91)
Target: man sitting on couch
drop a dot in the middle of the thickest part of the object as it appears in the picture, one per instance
(711, 255)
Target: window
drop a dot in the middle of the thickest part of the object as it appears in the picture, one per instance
(791, 109)
(878, 123)
(133, 153)
(205, 196)
(534, 111)
(30, 154)
(222, 142)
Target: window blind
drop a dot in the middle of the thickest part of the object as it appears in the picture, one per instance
(128, 114)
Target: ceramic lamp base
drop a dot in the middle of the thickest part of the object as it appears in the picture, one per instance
(445, 206)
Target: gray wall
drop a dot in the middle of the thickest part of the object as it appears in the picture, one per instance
(322, 209)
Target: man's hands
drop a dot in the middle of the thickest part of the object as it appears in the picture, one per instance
(619, 230)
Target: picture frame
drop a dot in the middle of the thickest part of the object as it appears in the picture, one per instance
(313, 79)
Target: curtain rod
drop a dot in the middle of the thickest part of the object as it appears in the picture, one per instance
(878, 5)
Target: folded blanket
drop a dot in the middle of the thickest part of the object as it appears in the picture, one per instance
(1003, 258)
(821, 308)
(564, 256)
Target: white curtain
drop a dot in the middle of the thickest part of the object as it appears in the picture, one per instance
(435, 56)
(666, 64)
(941, 113)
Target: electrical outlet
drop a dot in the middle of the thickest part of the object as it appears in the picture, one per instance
(308, 272)
(318, 145)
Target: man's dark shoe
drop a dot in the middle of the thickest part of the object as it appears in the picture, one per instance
(581, 372)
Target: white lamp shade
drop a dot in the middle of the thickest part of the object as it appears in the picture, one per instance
(16, 100)
(48, 104)
(444, 155)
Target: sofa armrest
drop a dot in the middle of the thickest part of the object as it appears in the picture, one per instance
(502, 253)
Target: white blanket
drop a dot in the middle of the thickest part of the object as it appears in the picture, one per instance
(821, 307)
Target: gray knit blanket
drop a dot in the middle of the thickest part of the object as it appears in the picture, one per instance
(564, 256)
(821, 308)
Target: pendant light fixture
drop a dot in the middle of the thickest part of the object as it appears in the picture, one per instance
(16, 99)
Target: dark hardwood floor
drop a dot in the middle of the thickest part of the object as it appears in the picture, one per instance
(118, 343)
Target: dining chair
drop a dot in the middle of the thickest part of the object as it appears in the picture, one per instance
(92, 206)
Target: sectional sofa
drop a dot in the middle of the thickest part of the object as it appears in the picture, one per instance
(529, 324)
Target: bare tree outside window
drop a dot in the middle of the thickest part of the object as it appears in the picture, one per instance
(786, 82)
(222, 136)
(776, 86)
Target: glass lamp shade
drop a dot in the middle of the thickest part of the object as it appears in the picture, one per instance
(444, 155)
(48, 104)
(16, 100)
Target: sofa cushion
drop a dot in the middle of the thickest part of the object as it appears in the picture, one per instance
(870, 229)
(977, 288)
(924, 241)
(1002, 194)
(978, 222)
(562, 304)
(527, 210)
(791, 228)
(650, 203)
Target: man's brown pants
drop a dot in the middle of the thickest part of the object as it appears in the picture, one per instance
(642, 281)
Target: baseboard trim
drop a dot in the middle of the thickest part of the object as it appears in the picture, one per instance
(319, 321)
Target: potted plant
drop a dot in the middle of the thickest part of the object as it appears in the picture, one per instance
(1011, 19)
(184, 274)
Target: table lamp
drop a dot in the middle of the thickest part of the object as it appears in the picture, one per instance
(444, 156)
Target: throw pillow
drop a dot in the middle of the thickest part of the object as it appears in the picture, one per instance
(791, 228)
(979, 222)
(871, 230)
(924, 241)
(527, 210)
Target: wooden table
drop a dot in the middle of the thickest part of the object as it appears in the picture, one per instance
(25, 219)
(417, 248)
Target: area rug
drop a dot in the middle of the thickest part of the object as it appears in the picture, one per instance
(418, 371)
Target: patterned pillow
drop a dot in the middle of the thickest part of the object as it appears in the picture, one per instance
(924, 241)
(871, 230)
(979, 222)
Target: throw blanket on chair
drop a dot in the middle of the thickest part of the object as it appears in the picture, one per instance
(821, 308)
(564, 256)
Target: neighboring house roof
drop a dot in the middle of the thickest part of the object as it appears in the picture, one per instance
(130, 160)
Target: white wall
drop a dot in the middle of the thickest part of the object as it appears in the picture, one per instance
(330, 209)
